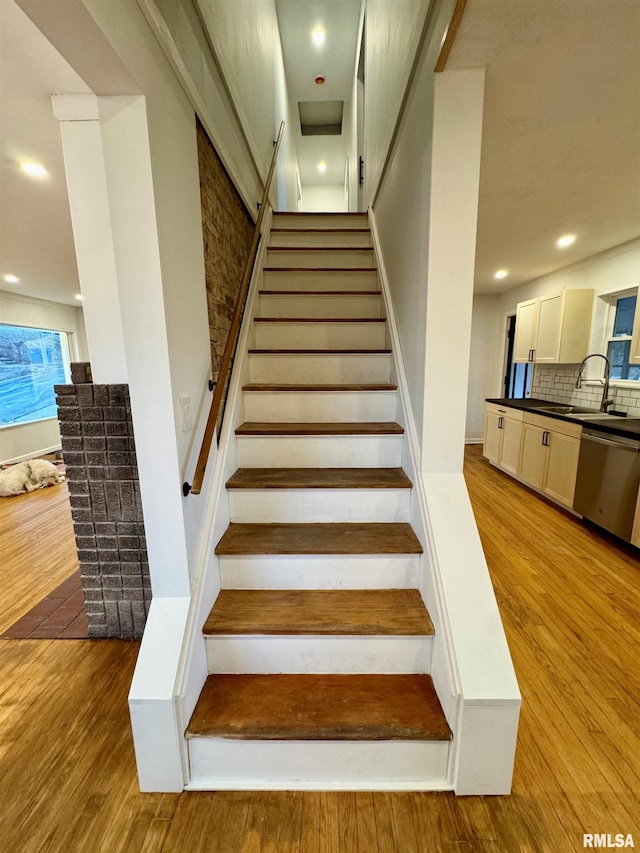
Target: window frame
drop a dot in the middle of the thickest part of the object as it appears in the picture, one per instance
(612, 304)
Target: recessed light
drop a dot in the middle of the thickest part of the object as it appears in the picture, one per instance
(566, 240)
(501, 274)
(318, 36)
(319, 79)
(36, 170)
(79, 297)
(322, 167)
(11, 279)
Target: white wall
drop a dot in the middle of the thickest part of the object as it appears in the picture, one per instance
(322, 198)
(402, 209)
(393, 32)
(246, 40)
(612, 271)
(487, 348)
(26, 440)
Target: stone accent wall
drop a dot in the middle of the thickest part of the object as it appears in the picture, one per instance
(558, 383)
(98, 449)
(227, 231)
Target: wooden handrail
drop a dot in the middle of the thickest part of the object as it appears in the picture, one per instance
(232, 338)
(450, 36)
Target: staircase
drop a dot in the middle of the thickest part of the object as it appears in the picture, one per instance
(319, 644)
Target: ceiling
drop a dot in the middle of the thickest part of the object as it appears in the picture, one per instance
(36, 241)
(303, 62)
(561, 137)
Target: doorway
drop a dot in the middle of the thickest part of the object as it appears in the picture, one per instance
(518, 376)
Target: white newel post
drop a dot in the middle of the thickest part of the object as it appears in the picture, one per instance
(486, 730)
(87, 189)
(111, 193)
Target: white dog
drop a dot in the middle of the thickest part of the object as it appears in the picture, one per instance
(28, 476)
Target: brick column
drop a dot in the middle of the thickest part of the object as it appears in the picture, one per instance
(98, 448)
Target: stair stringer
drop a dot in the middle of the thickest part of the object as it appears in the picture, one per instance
(476, 686)
(192, 667)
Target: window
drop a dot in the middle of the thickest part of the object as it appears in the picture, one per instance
(618, 341)
(32, 361)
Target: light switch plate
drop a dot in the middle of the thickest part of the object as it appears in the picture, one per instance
(185, 414)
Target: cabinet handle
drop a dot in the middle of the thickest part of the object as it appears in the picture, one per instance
(545, 438)
(500, 422)
(532, 355)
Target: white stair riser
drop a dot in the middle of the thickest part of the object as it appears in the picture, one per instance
(319, 306)
(319, 406)
(333, 220)
(316, 239)
(320, 335)
(291, 654)
(319, 505)
(318, 280)
(314, 258)
(381, 451)
(320, 571)
(219, 764)
(309, 369)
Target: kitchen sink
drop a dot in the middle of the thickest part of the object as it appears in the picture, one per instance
(570, 410)
(577, 412)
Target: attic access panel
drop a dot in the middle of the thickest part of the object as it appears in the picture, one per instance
(321, 118)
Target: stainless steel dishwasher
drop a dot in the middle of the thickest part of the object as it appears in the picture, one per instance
(608, 481)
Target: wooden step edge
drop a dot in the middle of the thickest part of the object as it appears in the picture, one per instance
(319, 428)
(320, 231)
(337, 539)
(369, 270)
(314, 612)
(346, 214)
(306, 320)
(319, 351)
(320, 293)
(368, 249)
(318, 478)
(263, 387)
(319, 707)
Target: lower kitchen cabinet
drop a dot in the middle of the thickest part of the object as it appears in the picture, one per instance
(502, 437)
(541, 452)
(549, 456)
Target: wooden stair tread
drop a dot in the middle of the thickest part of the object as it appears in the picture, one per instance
(319, 248)
(320, 292)
(321, 269)
(341, 612)
(332, 538)
(263, 386)
(319, 351)
(320, 319)
(319, 478)
(319, 707)
(319, 231)
(322, 428)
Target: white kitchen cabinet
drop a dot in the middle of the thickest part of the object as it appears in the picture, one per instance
(503, 428)
(554, 329)
(549, 456)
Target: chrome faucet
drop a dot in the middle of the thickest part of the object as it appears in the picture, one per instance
(606, 400)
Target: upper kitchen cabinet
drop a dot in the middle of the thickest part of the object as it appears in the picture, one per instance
(554, 329)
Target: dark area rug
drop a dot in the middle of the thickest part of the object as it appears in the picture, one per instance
(59, 616)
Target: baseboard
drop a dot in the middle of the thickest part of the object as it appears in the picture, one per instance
(35, 454)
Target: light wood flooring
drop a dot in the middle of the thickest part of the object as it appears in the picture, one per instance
(571, 602)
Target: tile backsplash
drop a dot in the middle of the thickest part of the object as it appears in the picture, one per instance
(558, 383)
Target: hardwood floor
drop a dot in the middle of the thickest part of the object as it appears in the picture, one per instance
(570, 599)
(37, 549)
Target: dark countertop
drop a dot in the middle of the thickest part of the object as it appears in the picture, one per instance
(626, 427)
